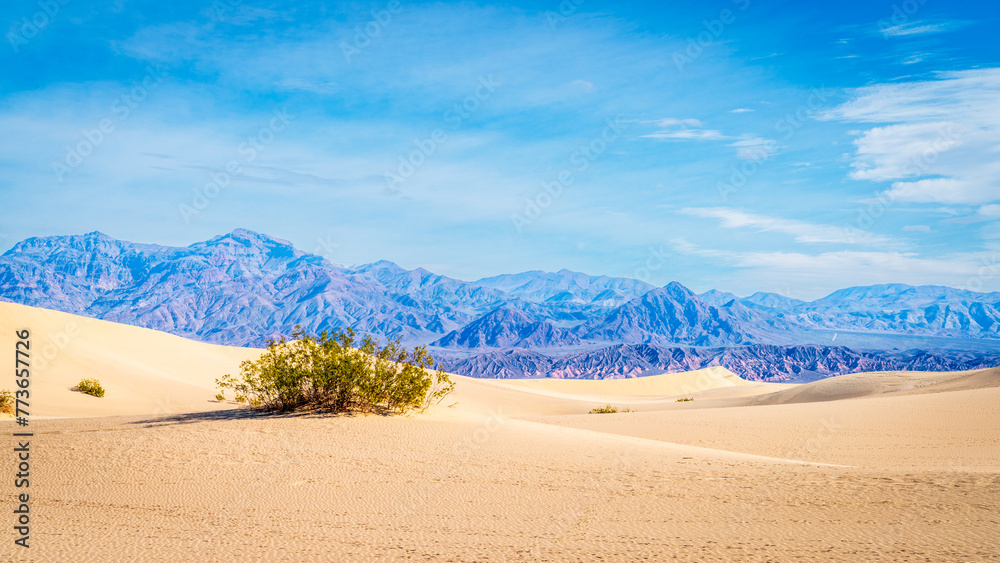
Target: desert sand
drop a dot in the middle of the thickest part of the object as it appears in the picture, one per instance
(881, 466)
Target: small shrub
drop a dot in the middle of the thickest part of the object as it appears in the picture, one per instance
(685, 399)
(90, 387)
(608, 409)
(220, 397)
(6, 402)
(333, 372)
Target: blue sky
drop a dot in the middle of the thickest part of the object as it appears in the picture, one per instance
(739, 145)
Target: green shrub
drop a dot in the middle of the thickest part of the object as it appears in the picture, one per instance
(685, 399)
(90, 387)
(608, 409)
(220, 397)
(334, 372)
(6, 402)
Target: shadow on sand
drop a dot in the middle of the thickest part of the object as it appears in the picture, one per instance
(240, 414)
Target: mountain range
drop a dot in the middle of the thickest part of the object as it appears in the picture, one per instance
(245, 288)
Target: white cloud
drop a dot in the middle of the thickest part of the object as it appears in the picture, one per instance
(802, 231)
(740, 110)
(902, 151)
(937, 190)
(937, 140)
(917, 228)
(688, 134)
(917, 28)
(755, 148)
(748, 147)
(990, 210)
(684, 129)
(672, 121)
(808, 276)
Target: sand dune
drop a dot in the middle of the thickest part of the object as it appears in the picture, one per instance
(879, 384)
(143, 371)
(892, 466)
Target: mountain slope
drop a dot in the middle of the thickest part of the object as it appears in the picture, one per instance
(507, 328)
(241, 288)
(673, 314)
(244, 288)
(566, 285)
(899, 308)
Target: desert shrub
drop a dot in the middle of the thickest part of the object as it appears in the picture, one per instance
(333, 371)
(221, 396)
(684, 399)
(90, 387)
(6, 401)
(608, 409)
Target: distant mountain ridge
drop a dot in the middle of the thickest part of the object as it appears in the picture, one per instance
(758, 362)
(507, 328)
(889, 308)
(244, 288)
(673, 314)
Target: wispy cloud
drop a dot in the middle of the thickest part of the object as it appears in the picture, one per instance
(685, 129)
(748, 147)
(805, 275)
(919, 28)
(755, 148)
(940, 138)
(801, 231)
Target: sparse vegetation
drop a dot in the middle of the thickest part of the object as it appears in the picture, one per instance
(334, 372)
(6, 402)
(685, 399)
(90, 387)
(221, 397)
(608, 409)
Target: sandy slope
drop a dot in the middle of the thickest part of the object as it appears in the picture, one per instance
(865, 467)
(143, 371)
